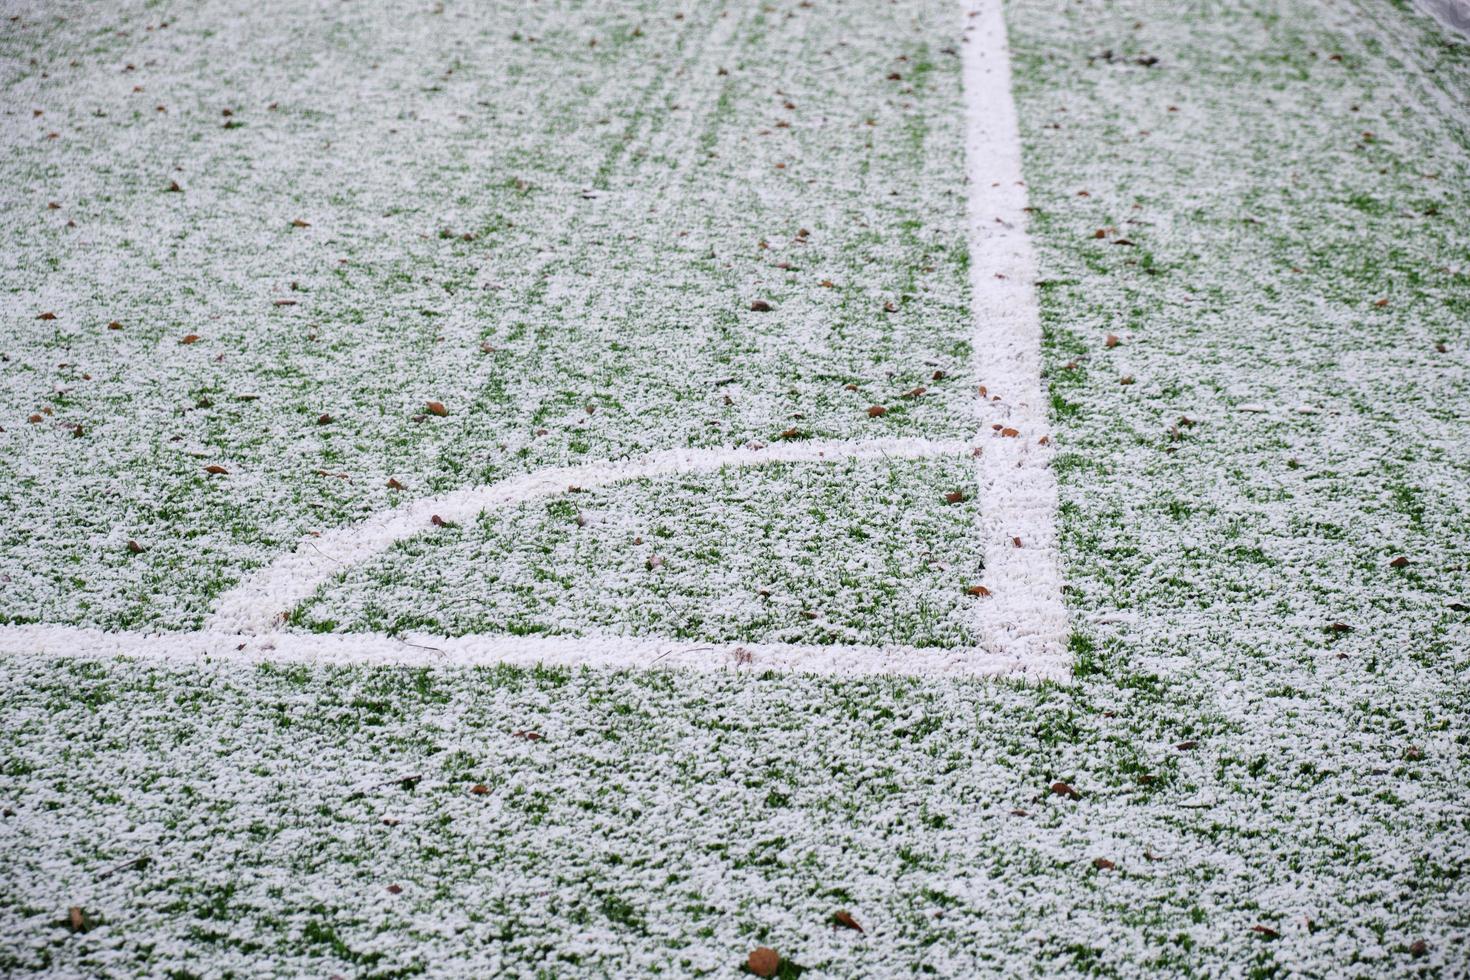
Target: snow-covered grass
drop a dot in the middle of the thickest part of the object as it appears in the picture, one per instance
(552, 220)
(863, 552)
(1264, 749)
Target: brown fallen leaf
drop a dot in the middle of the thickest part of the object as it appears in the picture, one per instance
(1399, 562)
(876, 411)
(915, 392)
(76, 919)
(1111, 340)
(528, 735)
(393, 484)
(979, 590)
(324, 419)
(1126, 379)
(792, 434)
(438, 521)
(760, 306)
(189, 338)
(845, 919)
(1187, 745)
(395, 889)
(436, 408)
(956, 497)
(216, 469)
(46, 316)
(1016, 542)
(1380, 303)
(479, 789)
(763, 961)
(114, 325)
(135, 548)
(1265, 931)
(173, 185)
(298, 223)
(1103, 864)
(36, 417)
(1010, 433)
(1065, 789)
(284, 302)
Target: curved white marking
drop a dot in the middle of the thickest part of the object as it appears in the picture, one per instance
(258, 603)
(371, 649)
(1025, 614)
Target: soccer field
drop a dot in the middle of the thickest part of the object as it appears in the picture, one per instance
(584, 488)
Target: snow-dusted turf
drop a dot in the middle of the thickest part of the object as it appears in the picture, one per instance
(852, 553)
(706, 290)
(1264, 744)
(551, 220)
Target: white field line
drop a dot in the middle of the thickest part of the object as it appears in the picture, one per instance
(1025, 616)
(1021, 625)
(617, 652)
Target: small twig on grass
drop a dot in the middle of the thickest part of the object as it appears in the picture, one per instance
(319, 551)
(137, 862)
(406, 782)
(671, 650)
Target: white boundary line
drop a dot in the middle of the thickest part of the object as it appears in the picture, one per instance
(370, 649)
(1022, 624)
(1025, 616)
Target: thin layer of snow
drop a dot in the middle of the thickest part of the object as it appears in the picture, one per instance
(260, 602)
(1454, 14)
(1022, 621)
